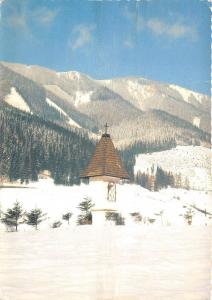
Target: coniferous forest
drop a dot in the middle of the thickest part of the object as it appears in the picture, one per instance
(29, 145)
(128, 154)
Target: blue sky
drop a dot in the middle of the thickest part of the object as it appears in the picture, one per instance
(165, 40)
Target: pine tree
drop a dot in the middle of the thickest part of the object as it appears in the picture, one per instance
(14, 216)
(67, 217)
(178, 180)
(34, 217)
(85, 208)
(56, 224)
(29, 145)
(116, 217)
(189, 215)
(186, 183)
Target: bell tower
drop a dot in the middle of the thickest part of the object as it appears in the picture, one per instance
(104, 171)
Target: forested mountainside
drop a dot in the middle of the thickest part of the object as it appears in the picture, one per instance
(128, 155)
(136, 109)
(47, 119)
(29, 145)
(188, 165)
(175, 100)
(156, 125)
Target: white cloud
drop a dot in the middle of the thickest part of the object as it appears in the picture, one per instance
(83, 36)
(17, 21)
(128, 43)
(157, 26)
(175, 30)
(178, 30)
(44, 15)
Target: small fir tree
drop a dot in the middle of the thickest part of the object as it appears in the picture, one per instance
(137, 218)
(67, 217)
(56, 224)
(186, 183)
(35, 217)
(189, 215)
(85, 207)
(116, 217)
(178, 180)
(14, 216)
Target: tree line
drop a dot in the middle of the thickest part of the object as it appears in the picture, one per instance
(158, 179)
(128, 155)
(29, 145)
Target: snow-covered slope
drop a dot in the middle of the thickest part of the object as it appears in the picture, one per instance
(127, 97)
(59, 92)
(146, 94)
(188, 95)
(72, 75)
(141, 89)
(193, 162)
(16, 100)
(82, 98)
(69, 120)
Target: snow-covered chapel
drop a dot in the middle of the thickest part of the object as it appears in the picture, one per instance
(104, 172)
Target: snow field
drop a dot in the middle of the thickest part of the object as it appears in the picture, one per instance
(138, 262)
(72, 75)
(137, 91)
(196, 121)
(70, 121)
(192, 162)
(82, 97)
(167, 206)
(187, 94)
(16, 100)
(119, 263)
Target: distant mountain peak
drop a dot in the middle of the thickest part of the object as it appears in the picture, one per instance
(126, 103)
(73, 75)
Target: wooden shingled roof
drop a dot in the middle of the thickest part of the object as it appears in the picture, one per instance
(105, 161)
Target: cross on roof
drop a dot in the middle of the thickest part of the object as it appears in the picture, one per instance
(105, 161)
(106, 127)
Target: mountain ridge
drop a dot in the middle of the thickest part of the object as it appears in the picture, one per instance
(75, 99)
(96, 79)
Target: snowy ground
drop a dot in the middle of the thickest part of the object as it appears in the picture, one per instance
(113, 263)
(139, 262)
(193, 162)
(167, 206)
